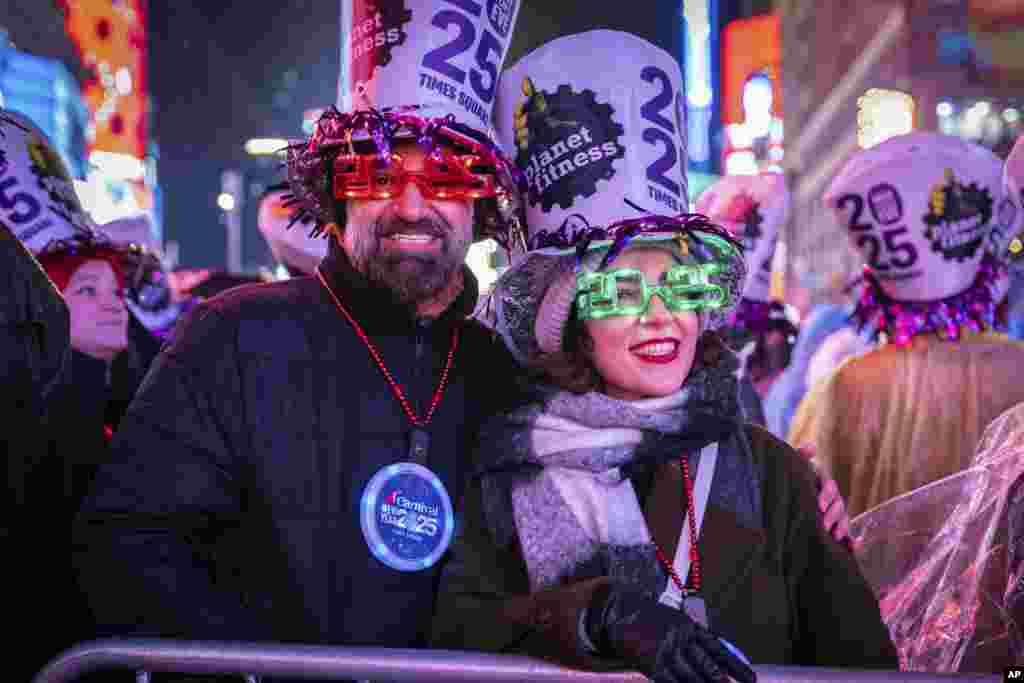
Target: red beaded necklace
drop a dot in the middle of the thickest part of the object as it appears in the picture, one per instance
(694, 576)
(416, 420)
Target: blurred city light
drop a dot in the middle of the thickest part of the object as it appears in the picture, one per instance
(741, 162)
(309, 119)
(971, 125)
(1011, 115)
(265, 146)
(944, 109)
(882, 114)
(480, 260)
(226, 202)
(123, 81)
(118, 166)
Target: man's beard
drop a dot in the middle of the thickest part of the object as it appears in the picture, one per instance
(413, 277)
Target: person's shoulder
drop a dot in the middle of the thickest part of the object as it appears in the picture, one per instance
(775, 456)
(249, 312)
(765, 444)
(482, 336)
(497, 378)
(263, 297)
(486, 344)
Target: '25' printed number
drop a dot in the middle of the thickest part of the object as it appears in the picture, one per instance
(488, 50)
(885, 252)
(662, 132)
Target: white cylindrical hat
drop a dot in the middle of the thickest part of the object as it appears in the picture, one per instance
(596, 123)
(135, 229)
(443, 56)
(920, 208)
(1009, 243)
(291, 246)
(753, 208)
(37, 197)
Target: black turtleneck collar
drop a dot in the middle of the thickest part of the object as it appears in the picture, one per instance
(376, 306)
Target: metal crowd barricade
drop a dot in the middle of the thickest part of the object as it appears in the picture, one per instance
(251, 661)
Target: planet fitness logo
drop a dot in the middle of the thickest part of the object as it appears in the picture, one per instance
(958, 218)
(566, 143)
(53, 177)
(377, 28)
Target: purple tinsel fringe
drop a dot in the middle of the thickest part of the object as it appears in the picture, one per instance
(973, 309)
(308, 162)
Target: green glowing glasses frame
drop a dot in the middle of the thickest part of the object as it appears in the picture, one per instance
(686, 288)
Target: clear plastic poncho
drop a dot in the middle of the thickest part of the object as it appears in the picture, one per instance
(944, 560)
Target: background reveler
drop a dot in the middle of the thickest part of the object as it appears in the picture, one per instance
(291, 245)
(33, 356)
(288, 471)
(577, 544)
(754, 208)
(99, 376)
(920, 208)
(150, 296)
(822, 323)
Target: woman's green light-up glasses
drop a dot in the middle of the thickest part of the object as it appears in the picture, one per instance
(625, 291)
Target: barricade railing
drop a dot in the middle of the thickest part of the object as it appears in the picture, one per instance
(252, 661)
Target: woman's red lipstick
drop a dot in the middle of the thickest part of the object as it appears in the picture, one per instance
(657, 351)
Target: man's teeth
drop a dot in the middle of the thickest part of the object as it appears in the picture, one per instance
(658, 349)
(413, 238)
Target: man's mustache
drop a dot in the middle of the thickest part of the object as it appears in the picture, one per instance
(421, 227)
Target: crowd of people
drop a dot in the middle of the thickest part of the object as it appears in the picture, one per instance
(633, 455)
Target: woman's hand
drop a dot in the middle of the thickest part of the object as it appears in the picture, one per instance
(831, 504)
(663, 643)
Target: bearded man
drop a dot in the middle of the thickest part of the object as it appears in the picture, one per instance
(288, 469)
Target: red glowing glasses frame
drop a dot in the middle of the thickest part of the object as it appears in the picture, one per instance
(446, 175)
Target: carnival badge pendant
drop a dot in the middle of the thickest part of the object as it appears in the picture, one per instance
(407, 517)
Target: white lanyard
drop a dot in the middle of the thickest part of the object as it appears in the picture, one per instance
(701, 490)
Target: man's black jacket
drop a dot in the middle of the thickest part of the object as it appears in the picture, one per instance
(229, 509)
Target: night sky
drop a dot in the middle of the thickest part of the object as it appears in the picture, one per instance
(223, 72)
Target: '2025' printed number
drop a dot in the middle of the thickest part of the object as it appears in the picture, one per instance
(882, 253)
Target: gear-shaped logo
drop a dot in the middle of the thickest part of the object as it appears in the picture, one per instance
(54, 179)
(377, 28)
(958, 218)
(566, 143)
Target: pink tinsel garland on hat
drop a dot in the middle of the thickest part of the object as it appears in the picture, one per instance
(973, 309)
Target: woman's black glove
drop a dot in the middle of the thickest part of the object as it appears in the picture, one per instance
(663, 643)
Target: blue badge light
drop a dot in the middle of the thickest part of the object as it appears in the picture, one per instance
(416, 535)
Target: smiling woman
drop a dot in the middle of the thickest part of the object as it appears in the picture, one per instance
(649, 355)
(627, 516)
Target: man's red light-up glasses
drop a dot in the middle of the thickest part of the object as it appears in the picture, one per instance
(446, 174)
